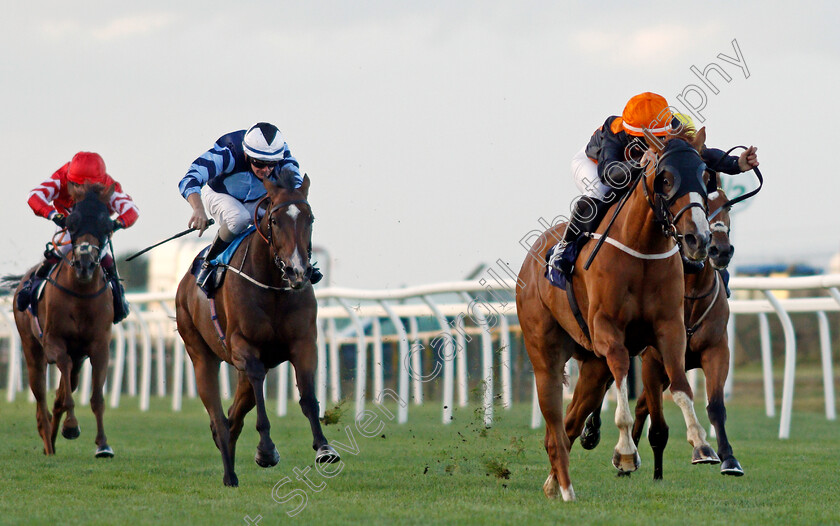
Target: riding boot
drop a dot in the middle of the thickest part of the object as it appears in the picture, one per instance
(316, 274)
(586, 217)
(121, 306)
(25, 295)
(203, 278)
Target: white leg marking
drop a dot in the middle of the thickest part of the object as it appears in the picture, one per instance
(623, 420)
(696, 433)
(568, 494)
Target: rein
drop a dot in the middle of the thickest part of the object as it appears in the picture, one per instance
(689, 331)
(73, 293)
(747, 195)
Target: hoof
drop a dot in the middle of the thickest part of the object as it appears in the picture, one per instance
(327, 455)
(104, 452)
(551, 488)
(591, 435)
(704, 455)
(626, 463)
(232, 481)
(267, 460)
(730, 466)
(71, 433)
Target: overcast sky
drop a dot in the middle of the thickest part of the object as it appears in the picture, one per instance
(436, 134)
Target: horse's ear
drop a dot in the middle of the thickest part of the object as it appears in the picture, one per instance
(304, 186)
(699, 139)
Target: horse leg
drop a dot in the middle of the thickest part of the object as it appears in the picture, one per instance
(243, 402)
(655, 380)
(99, 371)
(715, 364)
(37, 369)
(207, 381)
(544, 344)
(267, 455)
(63, 399)
(583, 415)
(71, 430)
(305, 364)
(609, 343)
(671, 345)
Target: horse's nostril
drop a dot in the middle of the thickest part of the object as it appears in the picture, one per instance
(690, 240)
(713, 251)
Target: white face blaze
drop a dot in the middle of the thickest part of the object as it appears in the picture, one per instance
(297, 258)
(698, 214)
(293, 212)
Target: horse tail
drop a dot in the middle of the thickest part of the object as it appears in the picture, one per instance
(10, 281)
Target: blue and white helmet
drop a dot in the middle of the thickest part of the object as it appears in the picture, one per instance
(263, 141)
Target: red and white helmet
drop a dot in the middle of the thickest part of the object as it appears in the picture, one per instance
(263, 141)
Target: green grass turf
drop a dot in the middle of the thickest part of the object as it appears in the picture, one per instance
(167, 471)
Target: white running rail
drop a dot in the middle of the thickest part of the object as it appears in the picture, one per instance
(403, 328)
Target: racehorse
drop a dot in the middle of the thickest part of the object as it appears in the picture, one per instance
(706, 317)
(72, 321)
(264, 314)
(629, 298)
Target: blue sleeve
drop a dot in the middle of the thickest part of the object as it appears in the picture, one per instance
(289, 167)
(718, 161)
(218, 160)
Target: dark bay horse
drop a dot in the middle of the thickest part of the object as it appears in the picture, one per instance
(706, 317)
(73, 322)
(630, 298)
(266, 312)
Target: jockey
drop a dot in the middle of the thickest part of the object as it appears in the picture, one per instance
(228, 181)
(52, 200)
(615, 156)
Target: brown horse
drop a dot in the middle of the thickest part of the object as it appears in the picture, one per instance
(630, 298)
(266, 315)
(706, 317)
(72, 322)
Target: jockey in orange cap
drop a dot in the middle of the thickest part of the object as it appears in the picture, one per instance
(614, 157)
(51, 199)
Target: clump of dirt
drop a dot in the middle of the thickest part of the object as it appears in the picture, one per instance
(333, 416)
(497, 468)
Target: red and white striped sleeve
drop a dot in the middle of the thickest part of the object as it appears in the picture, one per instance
(122, 205)
(41, 197)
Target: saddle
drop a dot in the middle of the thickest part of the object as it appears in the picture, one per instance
(220, 263)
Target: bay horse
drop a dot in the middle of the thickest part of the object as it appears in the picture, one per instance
(266, 315)
(629, 298)
(72, 322)
(706, 317)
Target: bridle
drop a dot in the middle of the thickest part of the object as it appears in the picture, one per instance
(268, 238)
(661, 202)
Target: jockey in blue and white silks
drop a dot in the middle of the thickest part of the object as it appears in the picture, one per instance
(227, 180)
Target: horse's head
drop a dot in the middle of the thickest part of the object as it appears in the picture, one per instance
(287, 226)
(89, 226)
(721, 249)
(679, 183)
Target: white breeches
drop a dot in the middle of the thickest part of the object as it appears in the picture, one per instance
(227, 211)
(585, 173)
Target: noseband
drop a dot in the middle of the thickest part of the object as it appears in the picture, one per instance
(268, 238)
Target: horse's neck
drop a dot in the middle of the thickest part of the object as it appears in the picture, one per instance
(259, 260)
(638, 230)
(700, 283)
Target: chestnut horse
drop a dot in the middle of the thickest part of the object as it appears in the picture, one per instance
(706, 317)
(266, 315)
(630, 297)
(73, 322)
